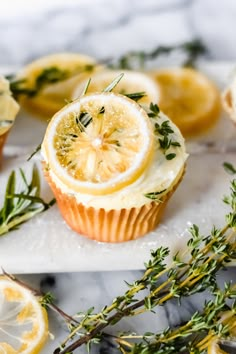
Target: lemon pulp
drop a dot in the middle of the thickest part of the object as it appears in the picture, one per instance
(189, 98)
(23, 321)
(99, 143)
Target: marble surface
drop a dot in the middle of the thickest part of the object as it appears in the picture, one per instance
(105, 28)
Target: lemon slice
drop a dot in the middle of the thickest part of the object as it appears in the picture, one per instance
(98, 143)
(69, 67)
(131, 82)
(225, 318)
(189, 98)
(23, 321)
(214, 348)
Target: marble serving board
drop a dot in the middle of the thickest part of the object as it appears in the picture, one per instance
(46, 244)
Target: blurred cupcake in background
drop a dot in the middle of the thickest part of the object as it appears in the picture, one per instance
(8, 111)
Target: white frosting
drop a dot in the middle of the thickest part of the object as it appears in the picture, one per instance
(160, 174)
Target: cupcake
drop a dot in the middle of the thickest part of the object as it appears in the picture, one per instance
(8, 111)
(112, 165)
(229, 100)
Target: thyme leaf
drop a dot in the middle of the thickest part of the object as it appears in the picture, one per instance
(154, 195)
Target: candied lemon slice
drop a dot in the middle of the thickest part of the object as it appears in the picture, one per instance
(132, 82)
(23, 321)
(64, 70)
(98, 143)
(214, 348)
(189, 98)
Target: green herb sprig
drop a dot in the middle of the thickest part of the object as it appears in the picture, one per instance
(48, 76)
(137, 59)
(20, 206)
(163, 131)
(187, 275)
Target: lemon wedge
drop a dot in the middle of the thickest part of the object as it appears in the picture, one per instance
(132, 82)
(23, 321)
(189, 98)
(64, 70)
(98, 143)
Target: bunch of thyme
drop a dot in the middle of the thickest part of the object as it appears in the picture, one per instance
(20, 206)
(192, 273)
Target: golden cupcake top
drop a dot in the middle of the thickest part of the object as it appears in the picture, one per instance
(109, 152)
(8, 106)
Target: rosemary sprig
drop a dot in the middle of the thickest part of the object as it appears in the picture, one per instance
(186, 276)
(20, 206)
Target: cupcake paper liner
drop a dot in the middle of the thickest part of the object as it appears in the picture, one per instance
(3, 139)
(109, 225)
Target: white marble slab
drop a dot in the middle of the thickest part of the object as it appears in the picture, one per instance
(101, 28)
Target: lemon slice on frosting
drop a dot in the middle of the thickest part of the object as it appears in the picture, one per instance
(98, 143)
(132, 82)
(58, 74)
(23, 321)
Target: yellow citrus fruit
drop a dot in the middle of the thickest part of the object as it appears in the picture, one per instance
(131, 82)
(64, 70)
(98, 143)
(23, 321)
(214, 348)
(189, 98)
(227, 318)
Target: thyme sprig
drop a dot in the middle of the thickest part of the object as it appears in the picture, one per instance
(20, 206)
(186, 275)
(137, 59)
(163, 131)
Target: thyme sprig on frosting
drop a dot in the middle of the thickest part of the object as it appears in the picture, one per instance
(21, 205)
(163, 131)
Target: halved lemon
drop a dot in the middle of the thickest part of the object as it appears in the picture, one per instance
(64, 70)
(132, 82)
(98, 143)
(23, 321)
(189, 98)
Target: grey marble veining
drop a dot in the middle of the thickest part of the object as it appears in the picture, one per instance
(102, 29)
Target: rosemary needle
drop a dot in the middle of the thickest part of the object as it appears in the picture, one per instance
(20, 206)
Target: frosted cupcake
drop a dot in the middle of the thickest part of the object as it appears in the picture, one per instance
(8, 111)
(112, 166)
(229, 100)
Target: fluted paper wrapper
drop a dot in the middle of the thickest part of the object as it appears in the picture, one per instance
(109, 225)
(3, 139)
